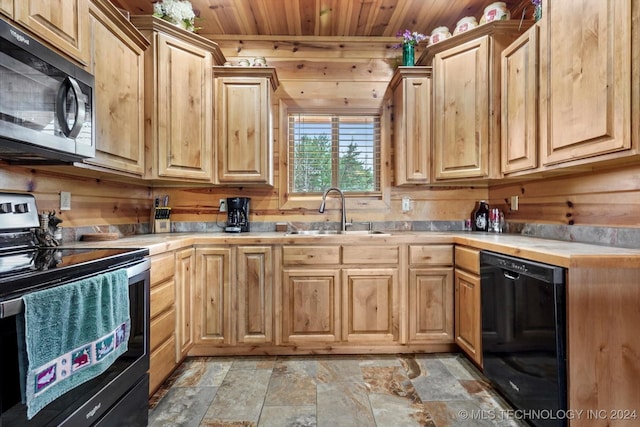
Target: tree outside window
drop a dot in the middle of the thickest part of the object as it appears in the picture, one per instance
(334, 151)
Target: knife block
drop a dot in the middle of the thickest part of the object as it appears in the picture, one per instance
(160, 222)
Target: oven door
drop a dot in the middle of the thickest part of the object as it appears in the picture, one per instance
(46, 102)
(98, 399)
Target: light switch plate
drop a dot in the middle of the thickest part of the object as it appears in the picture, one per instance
(406, 204)
(514, 203)
(65, 201)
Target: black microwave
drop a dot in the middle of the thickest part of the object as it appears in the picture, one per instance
(46, 103)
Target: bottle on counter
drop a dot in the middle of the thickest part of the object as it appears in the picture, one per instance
(481, 217)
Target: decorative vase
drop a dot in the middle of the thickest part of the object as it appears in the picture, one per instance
(408, 54)
(537, 12)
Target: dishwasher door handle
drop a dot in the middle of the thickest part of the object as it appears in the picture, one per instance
(510, 275)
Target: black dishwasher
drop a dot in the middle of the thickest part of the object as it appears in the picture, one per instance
(523, 335)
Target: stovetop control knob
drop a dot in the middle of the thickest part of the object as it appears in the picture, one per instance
(5, 208)
(21, 208)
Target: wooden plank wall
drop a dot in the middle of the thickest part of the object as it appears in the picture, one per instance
(602, 198)
(93, 201)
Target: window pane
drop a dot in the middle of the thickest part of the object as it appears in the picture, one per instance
(330, 150)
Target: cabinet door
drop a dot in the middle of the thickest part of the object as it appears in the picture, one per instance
(585, 81)
(254, 294)
(62, 23)
(243, 123)
(370, 299)
(6, 8)
(184, 111)
(118, 67)
(461, 110)
(185, 281)
(310, 305)
(468, 322)
(212, 299)
(412, 128)
(431, 305)
(519, 134)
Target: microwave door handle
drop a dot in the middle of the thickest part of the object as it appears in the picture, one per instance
(70, 84)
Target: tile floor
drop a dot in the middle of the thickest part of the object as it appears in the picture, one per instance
(337, 391)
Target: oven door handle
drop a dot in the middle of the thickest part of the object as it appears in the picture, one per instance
(15, 306)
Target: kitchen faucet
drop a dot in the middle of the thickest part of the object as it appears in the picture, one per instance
(343, 223)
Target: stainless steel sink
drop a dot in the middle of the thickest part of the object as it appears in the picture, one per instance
(336, 232)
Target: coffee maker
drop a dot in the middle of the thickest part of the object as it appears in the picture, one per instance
(237, 214)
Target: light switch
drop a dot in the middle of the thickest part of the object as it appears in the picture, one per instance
(65, 201)
(514, 203)
(406, 204)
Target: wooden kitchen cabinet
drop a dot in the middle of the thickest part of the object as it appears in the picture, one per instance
(311, 305)
(468, 314)
(185, 280)
(244, 128)
(370, 305)
(466, 106)
(431, 294)
(310, 294)
(117, 62)
(178, 102)
(6, 8)
(519, 124)
(586, 80)
(411, 92)
(64, 24)
(212, 298)
(163, 320)
(254, 287)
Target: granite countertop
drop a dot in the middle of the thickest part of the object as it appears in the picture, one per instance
(562, 253)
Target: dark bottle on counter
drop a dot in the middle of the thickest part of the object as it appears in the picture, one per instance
(481, 217)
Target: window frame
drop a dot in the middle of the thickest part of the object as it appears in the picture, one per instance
(380, 200)
(334, 120)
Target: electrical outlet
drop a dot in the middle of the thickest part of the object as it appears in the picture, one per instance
(223, 205)
(406, 204)
(514, 203)
(65, 201)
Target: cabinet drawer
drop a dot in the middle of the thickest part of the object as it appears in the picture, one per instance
(310, 255)
(162, 297)
(161, 363)
(370, 254)
(468, 259)
(431, 254)
(162, 328)
(162, 268)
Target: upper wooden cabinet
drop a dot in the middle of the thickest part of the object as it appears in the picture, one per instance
(244, 124)
(178, 102)
(586, 79)
(411, 91)
(117, 63)
(6, 8)
(62, 23)
(466, 93)
(519, 148)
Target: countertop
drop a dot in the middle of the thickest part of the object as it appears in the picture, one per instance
(562, 253)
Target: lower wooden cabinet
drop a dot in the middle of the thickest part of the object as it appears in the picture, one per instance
(185, 282)
(162, 314)
(254, 287)
(370, 301)
(233, 298)
(430, 288)
(468, 318)
(311, 305)
(212, 297)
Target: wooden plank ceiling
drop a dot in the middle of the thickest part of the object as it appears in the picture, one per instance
(338, 18)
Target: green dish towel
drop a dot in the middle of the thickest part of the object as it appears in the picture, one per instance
(73, 333)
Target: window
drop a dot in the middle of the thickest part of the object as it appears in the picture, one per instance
(330, 150)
